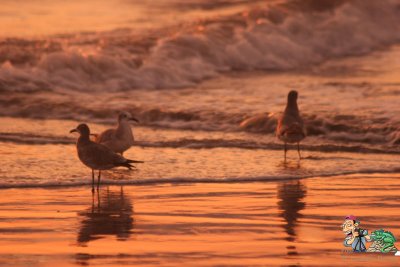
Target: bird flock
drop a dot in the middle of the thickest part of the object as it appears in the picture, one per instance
(106, 150)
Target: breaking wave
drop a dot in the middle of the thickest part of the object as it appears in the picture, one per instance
(327, 143)
(278, 37)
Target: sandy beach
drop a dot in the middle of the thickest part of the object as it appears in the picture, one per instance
(292, 223)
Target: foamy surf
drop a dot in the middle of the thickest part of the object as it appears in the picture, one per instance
(275, 37)
(49, 165)
(185, 180)
(33, 139)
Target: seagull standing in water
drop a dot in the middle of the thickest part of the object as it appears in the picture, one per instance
(97, 156)
(290, 125)
(121, 138)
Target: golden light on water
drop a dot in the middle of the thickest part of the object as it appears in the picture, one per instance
(208, 81)
(48, 17)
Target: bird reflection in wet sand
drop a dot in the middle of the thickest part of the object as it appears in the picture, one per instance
(111, 213)
(290, 195)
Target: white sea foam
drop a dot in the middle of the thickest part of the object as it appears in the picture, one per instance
(277, 37)
(44, 165)
(186, 180)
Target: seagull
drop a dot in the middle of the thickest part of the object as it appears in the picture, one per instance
(290, 125)
(97, 156)
(121, 138)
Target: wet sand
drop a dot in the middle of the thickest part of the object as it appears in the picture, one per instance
(291, 223)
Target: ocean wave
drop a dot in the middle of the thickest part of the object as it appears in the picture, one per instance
(185, 180)
(319, 144)
(34, 139)
(342, 128)
(244, 144)
(279, 37)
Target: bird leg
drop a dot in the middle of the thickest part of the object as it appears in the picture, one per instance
(98, 180)
(298, 149)
(92, 181)
(285, 149)
(92, 201)
(98, 201)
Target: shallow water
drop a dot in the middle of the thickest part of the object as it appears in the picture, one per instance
(292, 223)
(46, 155)
(221, 129)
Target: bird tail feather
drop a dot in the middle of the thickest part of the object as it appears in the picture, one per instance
(134, 161)
(127, 165)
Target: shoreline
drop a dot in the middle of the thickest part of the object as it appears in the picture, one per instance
(211, 180)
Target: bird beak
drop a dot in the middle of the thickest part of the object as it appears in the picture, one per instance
(73, 131)
(134, 119)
